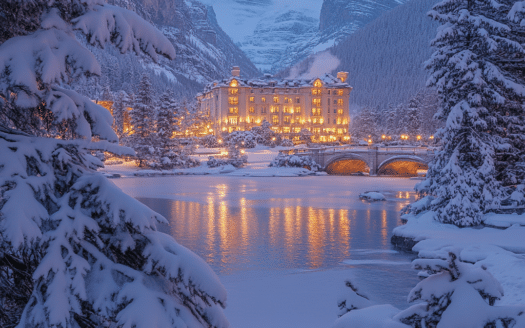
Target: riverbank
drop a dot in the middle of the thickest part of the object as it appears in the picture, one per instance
(499, 246)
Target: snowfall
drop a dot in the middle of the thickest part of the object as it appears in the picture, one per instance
(309, 298)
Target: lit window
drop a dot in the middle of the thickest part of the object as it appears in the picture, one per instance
(233, 100)
(297, 130)
(263, 99)
(276, 100)
(274, 109)
(318, 83)
(340, 102)
(316, 111)
(340, 111)
(234, 83)
(286, 130)
(339, 131)
(234, 110)
(252, 99)
(234, 91)
(316, 92)
(287, 110)
(339, 120)
(298, 110)
(275, 119)
(316, 102)
(252, 110)
(287, 119)
(233, 120)
(340, 92)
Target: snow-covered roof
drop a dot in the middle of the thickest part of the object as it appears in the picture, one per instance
(328, 80)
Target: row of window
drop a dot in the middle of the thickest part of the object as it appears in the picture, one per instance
(315, 92)
(287, 110)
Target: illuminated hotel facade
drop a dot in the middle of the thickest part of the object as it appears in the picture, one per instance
(320, 105)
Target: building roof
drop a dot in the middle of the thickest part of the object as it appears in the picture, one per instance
(328, 80)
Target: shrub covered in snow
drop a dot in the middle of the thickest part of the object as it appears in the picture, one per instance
(283, 160)
(454, 294)
(457, 294)
(241, 139)
(209, 141)
(286, 143)
(235, 158)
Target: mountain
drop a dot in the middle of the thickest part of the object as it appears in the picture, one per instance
(204, 52)
(384, 58)
(277, 34)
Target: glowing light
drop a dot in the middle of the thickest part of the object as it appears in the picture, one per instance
(369, 141)
(234, 83)
(431, 137)
(418, 137)
(219, 141)
(383, 137)
(242, 151)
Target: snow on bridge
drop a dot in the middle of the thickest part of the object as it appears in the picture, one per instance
(344, 160)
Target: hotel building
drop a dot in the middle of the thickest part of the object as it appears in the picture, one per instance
(319, 105)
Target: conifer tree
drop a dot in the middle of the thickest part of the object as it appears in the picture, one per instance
(474, 44)
(75, 250)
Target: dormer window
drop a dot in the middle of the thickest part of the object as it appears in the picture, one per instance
(234, 83)
(318, 83)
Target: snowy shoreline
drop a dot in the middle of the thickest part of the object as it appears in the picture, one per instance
(498, 246)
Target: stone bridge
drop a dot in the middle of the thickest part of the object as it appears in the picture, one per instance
(346, 160)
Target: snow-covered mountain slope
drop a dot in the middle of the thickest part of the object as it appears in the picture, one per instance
(276, 34)
(384, 58)
(204, 52)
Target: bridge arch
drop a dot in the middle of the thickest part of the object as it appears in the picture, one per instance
(347, 164)
(403, 166)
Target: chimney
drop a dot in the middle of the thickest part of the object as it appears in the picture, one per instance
(236, 71)
(343, 76)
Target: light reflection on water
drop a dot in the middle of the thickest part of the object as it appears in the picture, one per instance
(245, 234)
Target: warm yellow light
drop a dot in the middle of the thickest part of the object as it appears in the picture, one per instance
(211, 130)
(273, 138)
(321, 121)
(383, 137)
(224, 129)
(418, 137)
(258, 120)
(431, 137)
(219, 141)
(208, 126)
(242, 151)
(369, 140)
(234, 83)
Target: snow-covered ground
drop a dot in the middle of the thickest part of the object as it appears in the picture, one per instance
(259, 159)
(500, 250)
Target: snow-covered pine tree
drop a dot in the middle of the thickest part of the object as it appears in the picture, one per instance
(474, 44)
(166, 121)
(412, 121)
(143, 113)
(119, 108)
(75, 250)
(364, 125)
(142, 116)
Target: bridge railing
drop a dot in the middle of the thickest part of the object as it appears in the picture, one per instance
(333, 150)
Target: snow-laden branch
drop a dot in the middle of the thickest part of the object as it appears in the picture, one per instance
(124, 28)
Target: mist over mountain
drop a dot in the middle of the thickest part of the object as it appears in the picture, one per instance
(384, 58)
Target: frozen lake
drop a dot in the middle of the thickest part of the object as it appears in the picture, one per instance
(284, 246)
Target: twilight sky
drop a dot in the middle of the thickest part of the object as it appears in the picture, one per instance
(238, 18)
